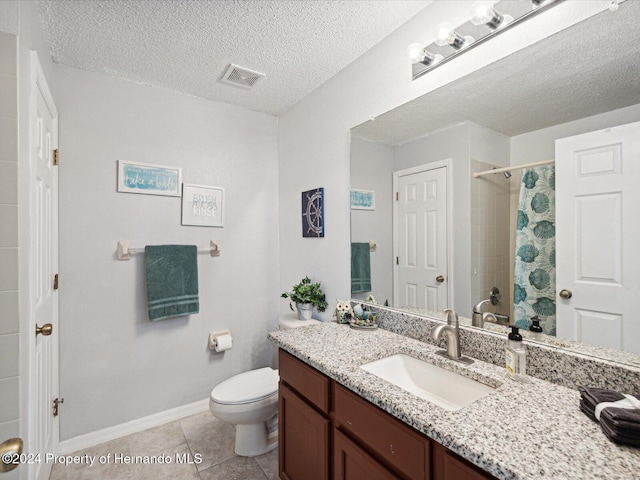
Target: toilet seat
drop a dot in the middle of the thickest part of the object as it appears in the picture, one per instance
(247, 387)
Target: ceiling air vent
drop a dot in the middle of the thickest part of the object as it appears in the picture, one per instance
(241, 77)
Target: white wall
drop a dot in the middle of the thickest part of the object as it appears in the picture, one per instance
(313, 137)
(372, 169)
(9, 316)
(540, 144)
(116, 365)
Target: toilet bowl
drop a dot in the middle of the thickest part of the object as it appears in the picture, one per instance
(248, 400)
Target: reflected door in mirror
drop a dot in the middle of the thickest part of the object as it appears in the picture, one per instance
(598, 221)
(420, 228)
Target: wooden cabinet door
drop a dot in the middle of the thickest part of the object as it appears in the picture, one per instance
(303, 435)
(350, 462)
(448, 466)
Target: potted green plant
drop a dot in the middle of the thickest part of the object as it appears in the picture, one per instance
(306, 295)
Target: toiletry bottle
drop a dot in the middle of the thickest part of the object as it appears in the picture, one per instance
(535, 328)
(515, 355)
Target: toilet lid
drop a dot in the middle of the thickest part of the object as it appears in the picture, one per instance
(247, 387)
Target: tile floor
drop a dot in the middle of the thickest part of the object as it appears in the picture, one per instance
(198, 434)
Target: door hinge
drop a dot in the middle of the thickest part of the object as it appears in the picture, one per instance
(397, 196)
(397, 261)
(55, 281)
(55, 156)
(56, 406)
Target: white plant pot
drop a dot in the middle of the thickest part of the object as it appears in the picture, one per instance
(305, 310)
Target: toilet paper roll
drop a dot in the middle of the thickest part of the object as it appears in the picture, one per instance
(223, 342)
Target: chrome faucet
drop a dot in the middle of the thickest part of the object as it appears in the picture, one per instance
(477, 319)
(488, 317)
(452, 330)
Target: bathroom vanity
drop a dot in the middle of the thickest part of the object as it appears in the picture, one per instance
(327, 431)
(339, 421)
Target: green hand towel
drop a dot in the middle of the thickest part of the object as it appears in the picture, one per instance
(172, 280)
(360, 268)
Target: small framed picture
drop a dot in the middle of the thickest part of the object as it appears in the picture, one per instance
(363, 199)
(313, 213)
(202, 205)
(149, 179)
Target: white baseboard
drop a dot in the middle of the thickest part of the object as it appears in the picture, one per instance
(111, 433)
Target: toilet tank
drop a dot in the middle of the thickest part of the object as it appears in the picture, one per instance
(290, 320)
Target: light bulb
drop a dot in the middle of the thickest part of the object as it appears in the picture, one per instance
(446, 35)
(483, 13)
(414, 52)
(417, 54)
(443, 33)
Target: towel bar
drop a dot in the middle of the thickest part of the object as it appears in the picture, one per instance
(125, 251)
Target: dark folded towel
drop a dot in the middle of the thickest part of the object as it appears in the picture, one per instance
(622, 418)
(631, 439)
(591, 396)
(620, 425)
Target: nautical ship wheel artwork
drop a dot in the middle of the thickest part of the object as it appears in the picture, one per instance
(313, 213)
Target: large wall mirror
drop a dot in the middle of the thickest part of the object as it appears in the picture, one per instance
(555, 238)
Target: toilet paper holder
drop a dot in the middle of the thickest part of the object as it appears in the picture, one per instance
(213, 338)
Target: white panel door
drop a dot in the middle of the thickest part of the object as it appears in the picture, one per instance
(421, 240)
(598, 226)
(44, 191)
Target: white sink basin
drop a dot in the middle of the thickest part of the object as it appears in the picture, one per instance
(436, 385)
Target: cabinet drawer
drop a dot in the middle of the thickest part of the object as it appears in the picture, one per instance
(350, 462)
(306, 380)
(405, 449)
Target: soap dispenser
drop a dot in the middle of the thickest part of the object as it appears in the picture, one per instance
(515, 355)
(535, 328)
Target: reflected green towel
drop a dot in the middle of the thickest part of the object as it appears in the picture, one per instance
(360, 268)
(172, 280)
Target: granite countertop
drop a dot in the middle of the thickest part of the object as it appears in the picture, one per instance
(520, 431)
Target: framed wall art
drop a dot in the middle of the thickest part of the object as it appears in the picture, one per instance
(363, 199)
(149, 179)
(313, 213)
(202, 205)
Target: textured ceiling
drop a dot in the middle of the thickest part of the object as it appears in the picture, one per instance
(185, 45)
(590, 68)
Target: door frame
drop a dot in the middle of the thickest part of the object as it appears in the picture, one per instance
(447, 165)
(37, 81)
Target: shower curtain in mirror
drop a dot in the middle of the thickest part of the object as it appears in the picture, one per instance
(535, 267)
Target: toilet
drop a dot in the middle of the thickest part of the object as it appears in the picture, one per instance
(249, 401)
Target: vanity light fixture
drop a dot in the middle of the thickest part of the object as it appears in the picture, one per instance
(488, 18)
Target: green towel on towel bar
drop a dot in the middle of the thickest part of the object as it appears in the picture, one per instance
(172, 280)
(360, 268)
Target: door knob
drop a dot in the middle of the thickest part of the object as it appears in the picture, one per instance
(10, 451)
(439, 279)
(566, 294)
(46, 329)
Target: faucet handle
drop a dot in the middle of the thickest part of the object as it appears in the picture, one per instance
(452, 317)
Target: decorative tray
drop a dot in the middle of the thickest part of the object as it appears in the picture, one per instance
(363, 327)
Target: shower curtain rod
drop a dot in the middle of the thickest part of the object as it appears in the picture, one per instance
(515, 167)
